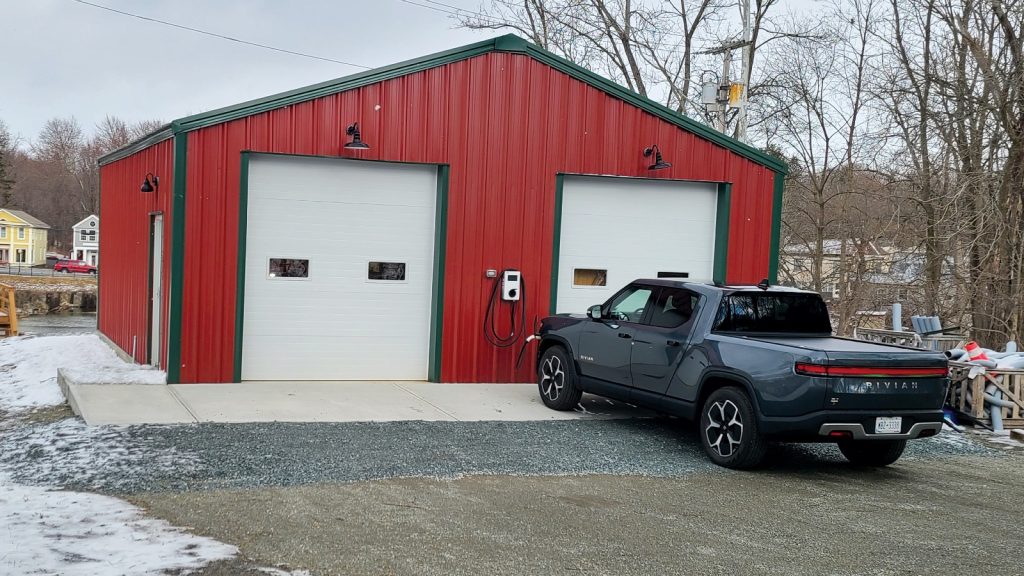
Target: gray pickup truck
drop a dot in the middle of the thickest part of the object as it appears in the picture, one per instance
(752, 364)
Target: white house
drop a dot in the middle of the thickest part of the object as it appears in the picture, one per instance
(87, 240)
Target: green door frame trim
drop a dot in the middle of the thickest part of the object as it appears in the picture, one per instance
(773, 248)
(722, 212)
(243, 220)
(174, 305)
(437, 290)
(440, 253)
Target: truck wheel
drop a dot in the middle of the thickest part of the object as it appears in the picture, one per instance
(556, 380)
(729, 431)
(872, 452)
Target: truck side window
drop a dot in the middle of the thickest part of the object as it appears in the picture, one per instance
(630, 304)
(773, 312)
(673, 308)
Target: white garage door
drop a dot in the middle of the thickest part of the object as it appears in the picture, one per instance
(338, 270)
(615, 230)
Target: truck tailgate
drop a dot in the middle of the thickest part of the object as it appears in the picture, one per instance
(888, 378)
(868, 376)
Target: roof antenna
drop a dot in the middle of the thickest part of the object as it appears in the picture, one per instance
(763, 284)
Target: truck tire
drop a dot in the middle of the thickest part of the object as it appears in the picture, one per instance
(872, 452)
(556, 380)
(729, 430)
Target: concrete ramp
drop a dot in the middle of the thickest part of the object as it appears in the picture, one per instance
(123, 404)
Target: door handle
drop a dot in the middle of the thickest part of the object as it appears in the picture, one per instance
(672, 343)
(624, 335)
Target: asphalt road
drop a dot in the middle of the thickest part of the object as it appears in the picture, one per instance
(37, 271)
(922, 516)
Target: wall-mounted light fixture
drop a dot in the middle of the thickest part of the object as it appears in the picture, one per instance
(357, 140)
(152, 183)
(659, 163)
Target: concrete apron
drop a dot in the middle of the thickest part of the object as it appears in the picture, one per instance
(125, 404)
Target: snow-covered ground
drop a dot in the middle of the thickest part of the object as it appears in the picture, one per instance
(28, 369)
(49, 531)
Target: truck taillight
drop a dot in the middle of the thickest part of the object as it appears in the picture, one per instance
(807, 369)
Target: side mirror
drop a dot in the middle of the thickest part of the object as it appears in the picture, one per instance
(595, 312)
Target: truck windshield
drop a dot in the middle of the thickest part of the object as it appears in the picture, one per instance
(773, 312)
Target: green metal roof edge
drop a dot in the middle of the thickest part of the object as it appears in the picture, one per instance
(508, 43)
(333, 86)
(513, 43)
(165, 132)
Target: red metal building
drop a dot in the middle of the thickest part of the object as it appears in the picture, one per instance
(289, 254)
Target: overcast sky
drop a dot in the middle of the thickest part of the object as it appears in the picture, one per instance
(63, 58)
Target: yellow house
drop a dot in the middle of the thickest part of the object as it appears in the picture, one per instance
(22, 238)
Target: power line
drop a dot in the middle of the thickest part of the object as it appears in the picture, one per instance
(221, 36)
(497, 21)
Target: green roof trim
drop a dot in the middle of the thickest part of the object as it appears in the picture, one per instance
(515, 44)
(333, 86)
(165, 132)
(510, 43)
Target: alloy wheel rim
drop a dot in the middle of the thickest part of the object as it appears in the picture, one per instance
(724, 431)
(552, 378)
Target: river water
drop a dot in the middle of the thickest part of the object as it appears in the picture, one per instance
(57, 324)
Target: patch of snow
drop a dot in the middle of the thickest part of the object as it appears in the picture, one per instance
(28, 368)
(280, 572)
(953, 438)
(1003, 438)
(131, 374)
(73, 533)
(70, 453)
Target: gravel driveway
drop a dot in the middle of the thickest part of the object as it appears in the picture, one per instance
(582, 496)
(125, 460)
(923, 516)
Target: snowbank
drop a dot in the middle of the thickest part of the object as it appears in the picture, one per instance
(28, 368)
(72, 533)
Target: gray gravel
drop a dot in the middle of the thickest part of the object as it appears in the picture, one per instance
(125, 460)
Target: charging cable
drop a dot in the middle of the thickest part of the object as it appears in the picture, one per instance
(515, 332)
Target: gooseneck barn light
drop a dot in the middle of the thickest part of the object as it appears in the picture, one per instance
(357, 140)
(151, 184)
(659, 163)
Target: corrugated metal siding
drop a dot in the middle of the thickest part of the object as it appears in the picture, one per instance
(507, 125)
(124, 246)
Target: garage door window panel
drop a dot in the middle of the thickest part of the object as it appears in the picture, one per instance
(589, 277)
(391, 272)
(288, 269)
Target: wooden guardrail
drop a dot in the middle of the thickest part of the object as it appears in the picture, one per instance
(8, 311)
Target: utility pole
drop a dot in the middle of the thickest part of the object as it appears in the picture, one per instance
(723, 108)
(741, 127)
(719, 97)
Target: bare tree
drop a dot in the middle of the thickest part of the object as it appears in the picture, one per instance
(58, 179)
(6, 171)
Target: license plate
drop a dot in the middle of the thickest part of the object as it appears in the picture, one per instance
(888, 425)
